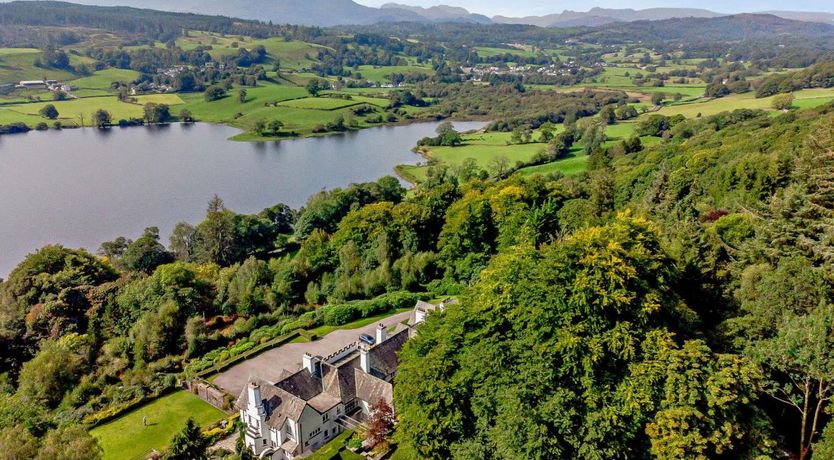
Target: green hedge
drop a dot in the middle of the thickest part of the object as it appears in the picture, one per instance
(340, 314)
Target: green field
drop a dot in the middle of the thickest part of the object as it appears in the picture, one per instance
(18, 64)
(102, 79)
(804, 99)
(291, 54)
(125, 438)
(377, 101)
(380, 74)
(482, 147)
(320, 103)
(485, 147)
(576, 163)
(486, 52)
(71, 111)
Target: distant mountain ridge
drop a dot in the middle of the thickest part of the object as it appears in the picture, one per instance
(745, 26)
(441, 13)
(825, 18)
(601, 16)
(327, 13)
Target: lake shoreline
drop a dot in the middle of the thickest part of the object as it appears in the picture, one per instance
(82, 187)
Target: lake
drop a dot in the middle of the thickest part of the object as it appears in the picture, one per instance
(81, 187)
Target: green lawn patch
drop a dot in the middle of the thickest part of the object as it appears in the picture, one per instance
(125, 438)
(336, 449)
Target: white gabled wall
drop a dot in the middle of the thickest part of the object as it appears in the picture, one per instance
(315, 430)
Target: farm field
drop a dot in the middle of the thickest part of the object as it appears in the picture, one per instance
(380, 74)
(71, 111)
(486, 52)
(102, 79)
(804, 99)
(320, 103)
(126, 438)
(292, 54)
(18, 64)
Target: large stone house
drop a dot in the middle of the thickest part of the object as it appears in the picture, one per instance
(303, 410)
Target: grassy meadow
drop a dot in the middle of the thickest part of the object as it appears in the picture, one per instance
(806, 98)
(484, 148)
(72, 111)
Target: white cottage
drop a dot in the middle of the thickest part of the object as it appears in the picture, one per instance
(305, 409)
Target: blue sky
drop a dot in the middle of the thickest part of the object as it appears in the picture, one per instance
(539, 7)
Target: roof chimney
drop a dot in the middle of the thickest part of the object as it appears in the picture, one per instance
(364, 359)
(312, 364)
(256, 405)
(381, 333)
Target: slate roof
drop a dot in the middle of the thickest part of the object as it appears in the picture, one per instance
(371, 389)
(339, 382)
(279, 403)
(301, 384)
(385, 357)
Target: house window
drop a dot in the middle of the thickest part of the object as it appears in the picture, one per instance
(315, 432)
(338, 411)
(325, 418)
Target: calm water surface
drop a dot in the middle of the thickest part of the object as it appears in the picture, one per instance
(81, 187)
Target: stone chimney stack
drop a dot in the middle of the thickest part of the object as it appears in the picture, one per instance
(364, 359)
(381, 333)
(312, 364)
(256, 406)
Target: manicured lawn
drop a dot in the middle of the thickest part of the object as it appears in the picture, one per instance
(125, 438)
